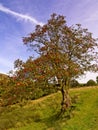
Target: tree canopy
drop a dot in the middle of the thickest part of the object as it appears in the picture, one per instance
(65, 52)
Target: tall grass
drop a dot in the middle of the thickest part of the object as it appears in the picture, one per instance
(41, 114)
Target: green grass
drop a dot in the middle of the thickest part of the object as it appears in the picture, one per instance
(41, 114)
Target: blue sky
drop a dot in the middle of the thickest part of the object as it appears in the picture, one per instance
(19, 17)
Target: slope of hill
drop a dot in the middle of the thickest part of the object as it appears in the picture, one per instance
(41, 114)
(3, 76)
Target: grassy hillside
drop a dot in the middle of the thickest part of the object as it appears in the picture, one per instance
(3, 76)
(41, 114)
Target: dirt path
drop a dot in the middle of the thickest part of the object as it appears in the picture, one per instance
(81, 88)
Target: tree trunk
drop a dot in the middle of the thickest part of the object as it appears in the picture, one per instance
(66, 101)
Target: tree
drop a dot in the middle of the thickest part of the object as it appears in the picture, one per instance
(74, 83)
(64, 53)
(97, 79)
(4, 83)
(91, 83)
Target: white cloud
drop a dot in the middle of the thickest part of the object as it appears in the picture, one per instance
(87, 77)
(20, 16)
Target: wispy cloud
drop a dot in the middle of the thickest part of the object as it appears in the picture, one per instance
(20, 16)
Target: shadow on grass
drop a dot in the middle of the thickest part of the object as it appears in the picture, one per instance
(55, 121)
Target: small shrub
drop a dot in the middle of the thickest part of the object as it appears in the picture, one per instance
(74, 83)
(91, 83)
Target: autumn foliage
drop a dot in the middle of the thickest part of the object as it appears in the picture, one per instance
(64, 53)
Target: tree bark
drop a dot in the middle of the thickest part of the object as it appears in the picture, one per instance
(66, 100)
